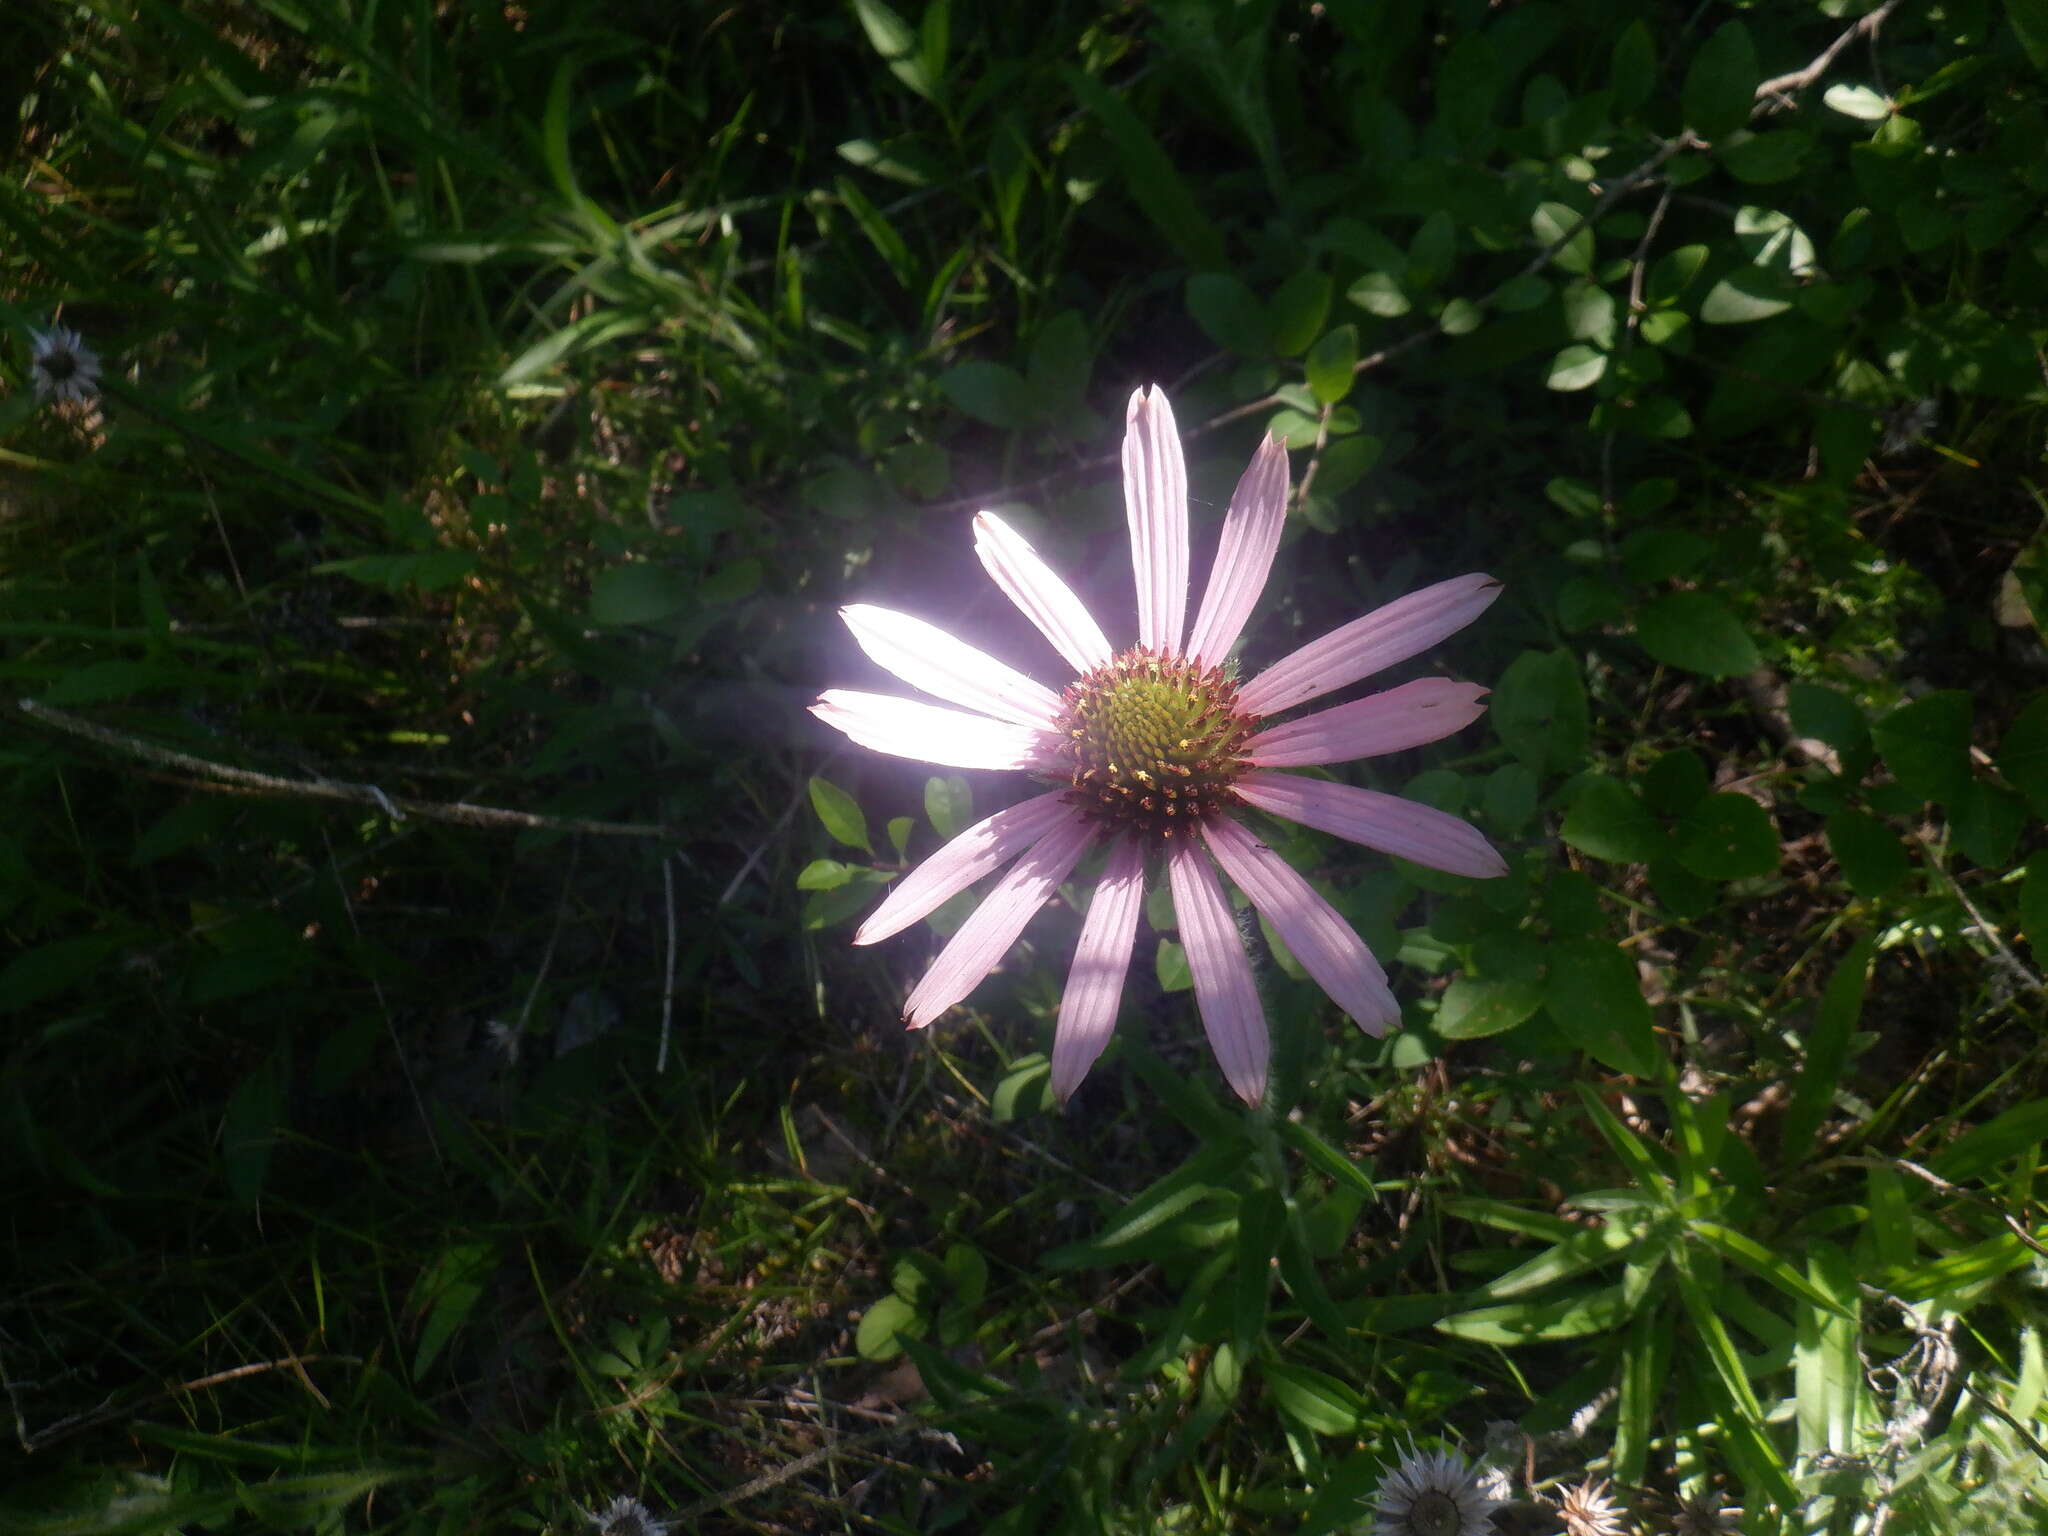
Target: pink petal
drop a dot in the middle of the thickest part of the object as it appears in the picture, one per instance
(987, 845)
(1428, 709)
(1403, 628)
(1095, 984)
(1322, 941)
(988, 933)
(1419, 833)
(929, 733)
(1223, 977)
(1156, 500)
(1244, 555)
(1046, 601)
(926, 657)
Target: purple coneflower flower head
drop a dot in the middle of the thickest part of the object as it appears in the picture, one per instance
(1433, 1493)
(1157, 751)
(61, 365)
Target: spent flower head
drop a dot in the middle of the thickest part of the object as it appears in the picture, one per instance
(61, 365)
(1433, 1493)
(1590, 1510)
(1156, 751)
(625, 1516)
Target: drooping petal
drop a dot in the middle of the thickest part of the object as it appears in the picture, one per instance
(983, 848)
(992, 928)
(1045, 600)
(1428, 709)
(1322, 941)
(926, 657)
(1223, 977)
(1419, 833)
(1406, 626)
(929, 733)
(1095, 983)
(1156, 501)
(1244, 554)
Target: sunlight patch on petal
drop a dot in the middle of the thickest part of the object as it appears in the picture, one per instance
(930, 733)
(926, 657)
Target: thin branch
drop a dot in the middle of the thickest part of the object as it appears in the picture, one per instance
(1775, 94)
(397, 807)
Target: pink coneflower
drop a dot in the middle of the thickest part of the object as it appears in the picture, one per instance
(1157, 749)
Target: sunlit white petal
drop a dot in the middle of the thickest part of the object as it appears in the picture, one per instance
(1223, 976)
(1244, 554)
(930, 733)
(982, 849)
(1095, 984)
(1419, 833)
(1045, 600)
(1156, 501)
(926, 657)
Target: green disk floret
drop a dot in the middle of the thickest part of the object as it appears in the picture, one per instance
(1154, 742)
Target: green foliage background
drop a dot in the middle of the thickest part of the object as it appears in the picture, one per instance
(439, 1093)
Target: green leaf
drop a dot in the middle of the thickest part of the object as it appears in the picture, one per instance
(447, 1292)
(824, 875)
(1473, 1008)
(1827, 1052)
(251, 1128)
(1228, 312)
(1380, 293)
(1985, 823)
(1749, 294)
(1763, 159)
(1609, 822)
(1024, 1089)
(2034, 903)
(1695, 632)
(1632, 74)
(1330, 363)
(990, 392)
(1298, 311)
(432, 571)
(1260, 1219)
(1550, 223)
(841, 816)
(1432, 250)
(948, 804)
(892, 38)
(883, 1326)
(1720, 87)
(2020, 1130)
(2023, 755)
(1596, 1000)
(2030, 26)
(639, 593)
(882, 235)
(1538, 710)
(1170, 965)
(1318, 1402)
(1563, 1260)
(1870, 854)
(1530, 1322)
(1827, 715)
(1827, 1368)
(1728, 837)
(1673, 784)
(1155, 184)
(1347, 461)
(1926, 744)
(1576, 367)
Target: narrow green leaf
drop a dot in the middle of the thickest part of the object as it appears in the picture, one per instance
(1154, 182)
(1827, 1051)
